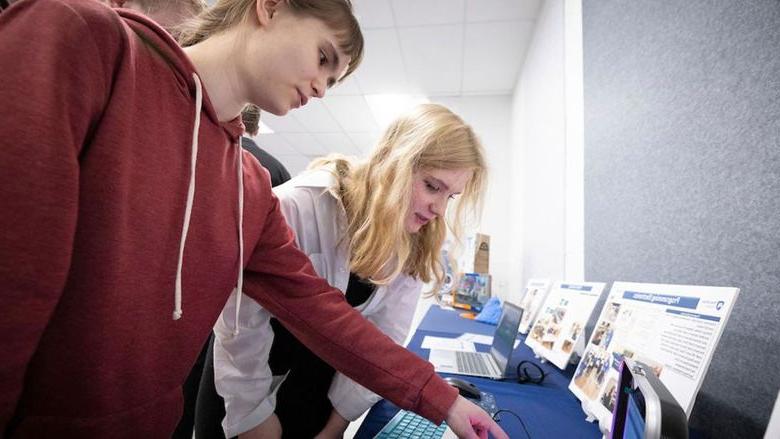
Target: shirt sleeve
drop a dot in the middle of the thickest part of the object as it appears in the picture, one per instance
(282, 280)
(394, 318)
(54, 86)
(241, 372)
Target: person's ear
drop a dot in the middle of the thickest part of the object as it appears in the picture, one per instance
(266, 9)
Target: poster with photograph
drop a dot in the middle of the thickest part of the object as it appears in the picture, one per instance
(562, 319)
(473, 289)
(531, 302)
(674, 329)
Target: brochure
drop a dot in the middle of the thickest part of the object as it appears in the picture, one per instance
(447, 344)
(559, 326)
(531, 302)
(672, 328)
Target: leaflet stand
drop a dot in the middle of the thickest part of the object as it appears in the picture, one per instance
(579, 349)
(538, 355)
(590, 414)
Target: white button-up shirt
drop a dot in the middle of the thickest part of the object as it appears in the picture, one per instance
(242, 374)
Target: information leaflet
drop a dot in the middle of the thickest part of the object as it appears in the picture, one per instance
(561, 321)
(532, 301)
(674, 329)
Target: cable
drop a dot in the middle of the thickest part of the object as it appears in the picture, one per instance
(530, 372)
(495, 418)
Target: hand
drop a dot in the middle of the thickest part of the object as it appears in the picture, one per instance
(468, 421)
(334, 428)
(268, 429)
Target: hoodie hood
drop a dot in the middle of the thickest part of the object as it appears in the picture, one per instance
(162, 43)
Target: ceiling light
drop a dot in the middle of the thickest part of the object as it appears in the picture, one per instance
(387, 107)
(264, 129)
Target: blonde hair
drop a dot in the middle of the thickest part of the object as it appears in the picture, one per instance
(377, 194)
(336, 14)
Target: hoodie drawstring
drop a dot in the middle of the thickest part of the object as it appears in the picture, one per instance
(177, 312)
(240, 282)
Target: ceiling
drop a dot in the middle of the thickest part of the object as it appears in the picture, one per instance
(418, 49)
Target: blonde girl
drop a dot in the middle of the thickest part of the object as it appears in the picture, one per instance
(373, 229)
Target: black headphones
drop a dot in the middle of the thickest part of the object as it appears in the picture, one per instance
(529, 372)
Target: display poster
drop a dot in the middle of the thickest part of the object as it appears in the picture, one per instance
(561, 320)
(674, 329)
(473, 289)
(531, 302)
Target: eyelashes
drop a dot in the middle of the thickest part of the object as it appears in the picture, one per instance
(435, 189)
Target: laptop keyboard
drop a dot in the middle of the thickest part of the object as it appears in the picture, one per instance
(471, 363)
(409, 425)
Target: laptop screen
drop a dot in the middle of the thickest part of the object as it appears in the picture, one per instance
(504, 338)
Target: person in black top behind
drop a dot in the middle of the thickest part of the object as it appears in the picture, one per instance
(251, 118)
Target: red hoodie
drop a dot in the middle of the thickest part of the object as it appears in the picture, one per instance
(96, 143)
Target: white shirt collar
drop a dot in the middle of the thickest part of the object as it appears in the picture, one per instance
(318, 178)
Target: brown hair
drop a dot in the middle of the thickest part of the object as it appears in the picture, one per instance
(336, 14)
(250, 115)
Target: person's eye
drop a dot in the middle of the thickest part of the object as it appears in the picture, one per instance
(431, 187)
(323, 58)
(451, 197)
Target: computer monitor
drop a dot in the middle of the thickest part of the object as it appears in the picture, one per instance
(644, 407)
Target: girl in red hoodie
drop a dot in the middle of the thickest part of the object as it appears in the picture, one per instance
(122, 215)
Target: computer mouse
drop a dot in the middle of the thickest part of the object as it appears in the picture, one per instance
(465, 388)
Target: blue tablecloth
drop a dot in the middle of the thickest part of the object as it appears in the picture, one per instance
(549, 410)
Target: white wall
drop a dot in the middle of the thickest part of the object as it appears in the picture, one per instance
(546, 153)
(489, 116)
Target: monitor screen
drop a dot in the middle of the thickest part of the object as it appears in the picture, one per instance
(645, 408)
(506, 332)
(635, 414)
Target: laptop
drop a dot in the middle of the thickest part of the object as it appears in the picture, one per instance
(644, 407)
(489, 365)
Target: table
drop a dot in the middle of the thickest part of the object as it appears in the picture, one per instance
(549, 410)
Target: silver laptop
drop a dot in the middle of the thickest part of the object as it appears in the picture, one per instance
(490, 365)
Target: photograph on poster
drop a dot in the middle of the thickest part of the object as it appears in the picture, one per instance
(532, 301)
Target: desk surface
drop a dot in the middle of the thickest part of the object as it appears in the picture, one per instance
(548, 410)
